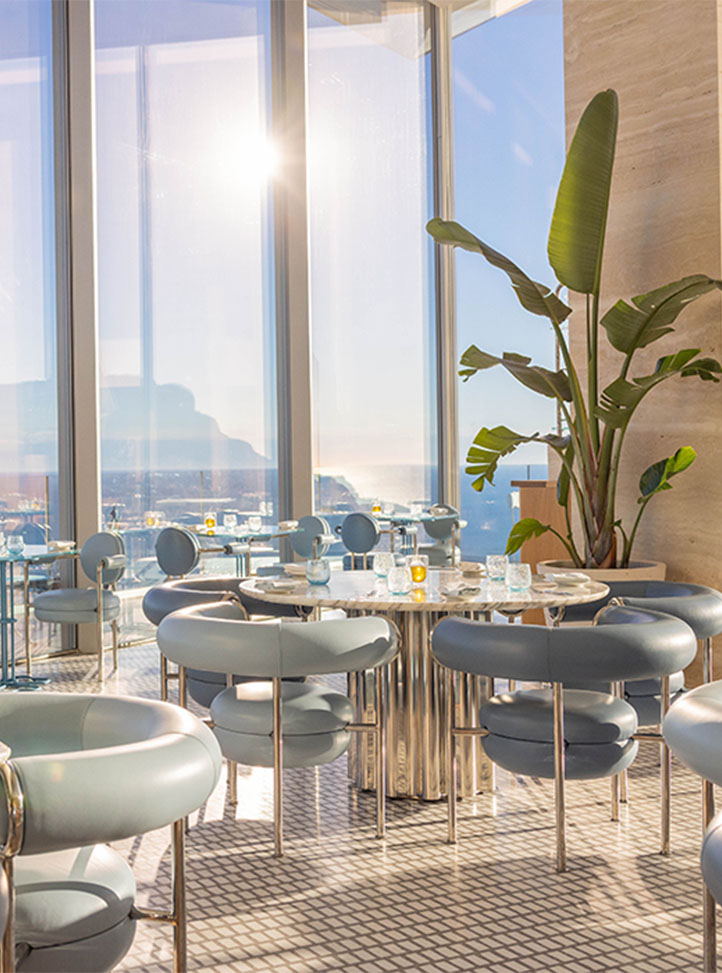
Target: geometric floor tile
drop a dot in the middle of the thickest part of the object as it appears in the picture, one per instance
(340, 900)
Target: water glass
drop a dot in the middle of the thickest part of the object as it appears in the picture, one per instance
(3, 543)
(16, 544)
(229, 522)
(388, 509)
(383, 562)
(255, 523)
(398, 580)
(318, 570)
(496, 566)
(418, 564)
(518, 576)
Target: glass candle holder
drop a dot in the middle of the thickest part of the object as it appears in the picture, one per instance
(418, 564)
(318, 570)
(16, 544)
(383, 562)
(518, 576)
(398, 580)
(496, 567)
(376, 507)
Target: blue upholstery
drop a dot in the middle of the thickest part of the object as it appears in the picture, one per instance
(75, 605)
(693, 730)
(359, 533)
(177, 550)
(104, 545)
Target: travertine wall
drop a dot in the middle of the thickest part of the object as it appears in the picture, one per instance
(663, 59)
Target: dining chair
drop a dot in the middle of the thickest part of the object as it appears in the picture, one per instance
(693, 731)
(312, 539)
(102, 558)
(557, 733)
(273, 721)
(443, 530)
(83, 770)
(360, 534)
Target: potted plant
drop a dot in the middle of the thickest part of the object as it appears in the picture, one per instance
(595, 422)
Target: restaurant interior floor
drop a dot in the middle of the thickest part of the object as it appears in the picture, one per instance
(341, 900)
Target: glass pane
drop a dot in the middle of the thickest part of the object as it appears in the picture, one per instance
(186, 338)
(509, 145)
(28, 383)
(371, 265)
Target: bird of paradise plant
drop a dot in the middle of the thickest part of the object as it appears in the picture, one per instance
(595, 425)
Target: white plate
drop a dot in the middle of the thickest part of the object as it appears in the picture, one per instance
(571, 578)
(295, 570)
(276, 585)
(471, 568)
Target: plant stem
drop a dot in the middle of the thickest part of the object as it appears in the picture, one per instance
(592, 379)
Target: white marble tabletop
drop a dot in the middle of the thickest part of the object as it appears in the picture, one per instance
(362, 590)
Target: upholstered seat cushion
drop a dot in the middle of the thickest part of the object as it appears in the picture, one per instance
(305, 708)
(589, 717)
(75, 605)
(711, 857)
(693, 730)
(73, 910)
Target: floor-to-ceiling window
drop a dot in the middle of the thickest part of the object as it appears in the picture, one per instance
(371, 295)
(28, 382)
(509, 154)
(188, 420)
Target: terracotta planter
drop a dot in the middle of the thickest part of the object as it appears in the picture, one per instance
(637, 571)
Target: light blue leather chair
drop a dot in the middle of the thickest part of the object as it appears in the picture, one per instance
(555, 733)
(159, 601)
(85, 770)
(276, 722)
(693, 731)
(443, 530)
(102, 558)
(697, 605)
(360, 534)
(313, 539)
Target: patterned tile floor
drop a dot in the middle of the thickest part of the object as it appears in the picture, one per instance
(341, 900)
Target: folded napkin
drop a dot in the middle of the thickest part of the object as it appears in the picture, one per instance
(57, 546)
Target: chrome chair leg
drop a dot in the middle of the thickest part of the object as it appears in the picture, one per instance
(666, 772)
(277, 767)
(114, 630)
(180, 939)
(380, 755)
(99, 624)
(558, 699)
(26, 607)
(182, 687)
(709, 906)
(450, 756)
(163, 677)
(615, 797)
(707, 661)
(623, 787)
(7, 955)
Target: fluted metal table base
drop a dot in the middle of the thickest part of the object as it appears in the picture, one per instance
(416, 762)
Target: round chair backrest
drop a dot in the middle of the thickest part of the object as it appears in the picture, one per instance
(311, 528)
(170, 596)
(693, 730)
(218, 639)
(627, 643)
(442, 527)
(105, 543)
(359, 533)
(177, 550)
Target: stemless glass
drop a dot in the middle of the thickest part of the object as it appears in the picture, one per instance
(388, 508)
(229, 522)
(254, 523)
(518, 576)
(210, 522)
(318, 570)
(16, 544)
(383, 562)
(399, 580)
(3, 543)
(376, 507)
(418, 564)
(496, 566)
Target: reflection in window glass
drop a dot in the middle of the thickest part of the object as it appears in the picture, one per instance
(28, 384)
(188, 423)
(370, 257)
(509, 153)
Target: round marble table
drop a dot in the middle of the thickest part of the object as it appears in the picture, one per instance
(416, 696)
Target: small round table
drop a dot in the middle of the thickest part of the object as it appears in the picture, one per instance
(416, 698)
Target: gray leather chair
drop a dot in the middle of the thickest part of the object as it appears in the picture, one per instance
(360, 533)
(311, 540)
(276, 722)
(201, 684)
(102, 558)
(556, 733)
(693, 730)
(697, 605)
(85, 770)
(444, 532)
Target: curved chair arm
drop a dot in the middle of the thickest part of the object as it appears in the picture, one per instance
(693, 730)
(113, 562)
(277, 649)
(235, 549)
(129, 766)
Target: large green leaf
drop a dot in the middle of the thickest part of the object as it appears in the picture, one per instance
(491, 444)
(657, 476)
(629, 328)
(555, 385)
(533, 296)
(621, 398)
(524, 530)
(576, 237)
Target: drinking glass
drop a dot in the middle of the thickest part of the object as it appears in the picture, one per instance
(376, 507)
(418, 564)
(383, 562)
(415, 509)
(229, 522)
(318, 570)
(3, 543)
(388, 509)
(210, 522)
(496, 566)
(255, 523)
(518, 576)
(16, 544)
(399, 580)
